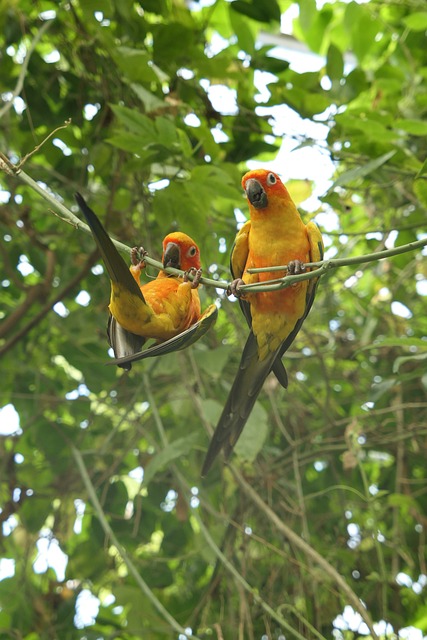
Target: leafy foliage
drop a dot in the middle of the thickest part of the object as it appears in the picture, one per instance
(340, 458)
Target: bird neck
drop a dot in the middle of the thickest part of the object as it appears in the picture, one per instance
(274, 219)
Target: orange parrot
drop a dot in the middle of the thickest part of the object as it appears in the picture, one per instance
(275, 235)
(166, 309)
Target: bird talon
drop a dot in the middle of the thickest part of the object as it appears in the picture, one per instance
(137, 256)
(196, 273)
(295, 267)
(233, 288)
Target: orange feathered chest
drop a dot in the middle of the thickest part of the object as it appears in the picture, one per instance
(162, 292)
(276, 243)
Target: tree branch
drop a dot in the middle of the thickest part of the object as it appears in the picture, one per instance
(322, 266)
(210, 541)
(241, 580)
(21, 78)
(174, 624)
(47, 307)
(319, 268)
(308, 550)
(67, 216)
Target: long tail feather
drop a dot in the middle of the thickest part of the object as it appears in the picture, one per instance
(242, 397)
(116, 267)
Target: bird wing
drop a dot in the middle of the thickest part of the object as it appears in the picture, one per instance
(180, 341)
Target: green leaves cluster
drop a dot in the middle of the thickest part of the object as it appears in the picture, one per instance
(340, 457)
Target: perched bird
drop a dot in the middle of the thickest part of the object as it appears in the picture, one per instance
(166, 309)
(275, 235)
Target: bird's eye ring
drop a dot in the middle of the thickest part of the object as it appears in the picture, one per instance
(192, 251)
(271, 179)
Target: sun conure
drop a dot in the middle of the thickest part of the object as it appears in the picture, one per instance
(166, 309)
(275, 235)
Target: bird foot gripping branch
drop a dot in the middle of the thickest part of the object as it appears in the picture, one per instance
(137, 256)
(196, 275)
(234, 288)
(295, 267)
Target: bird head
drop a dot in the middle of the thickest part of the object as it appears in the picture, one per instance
(264, 188)
(180, 251)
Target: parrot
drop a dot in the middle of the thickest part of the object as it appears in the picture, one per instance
(166, 309)
(274, 235)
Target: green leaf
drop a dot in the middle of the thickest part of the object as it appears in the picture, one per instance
(244, 34)
(149, 100)
(254, 434)
(127, 142)
(136, 122)
(172, 451)
(381, 388)
(34, 512)
(261, 12)
(166, 129)
(299, 190)
(416, 358)
(414, 127)
(423, 170)
(307, 13)
(135, 64)
(334, 63)
(360, 172)
(214, 364)
(416, 21)
(116, 499)
(420, 190)
(404, 502)
(211, 410)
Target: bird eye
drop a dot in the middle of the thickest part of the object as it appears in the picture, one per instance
(192, 251)
(271, 179)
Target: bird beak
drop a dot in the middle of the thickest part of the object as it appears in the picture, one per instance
(172, 256)
(256, 194)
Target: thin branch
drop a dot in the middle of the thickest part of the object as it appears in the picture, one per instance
(220, 555)
(174, 624)
(38, 146)
(309, 551)
(67, 216)
(333, 263)
(21, 78)
(240, 579)
(48, 306)
(320, 268)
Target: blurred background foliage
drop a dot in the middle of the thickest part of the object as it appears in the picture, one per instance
(170, 102)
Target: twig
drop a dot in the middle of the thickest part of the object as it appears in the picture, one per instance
(320, 268)
(21, 78)
(38, 146)
(240, 579)
(174, 624)
(48, 306)
(69, 217)
(309, 551)
(220, 555)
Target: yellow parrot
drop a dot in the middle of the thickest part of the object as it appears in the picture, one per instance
(166, 309)
(275, 235)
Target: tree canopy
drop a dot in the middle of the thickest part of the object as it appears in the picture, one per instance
(153, 110)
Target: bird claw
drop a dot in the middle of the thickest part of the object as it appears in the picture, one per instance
(233, 288)
(295, 267)
(196, 273)
(137, 256)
